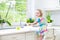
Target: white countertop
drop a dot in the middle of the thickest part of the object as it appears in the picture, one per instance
(55, 27)
(25, 29)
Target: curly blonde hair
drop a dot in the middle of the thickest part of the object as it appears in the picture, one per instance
(40, 12)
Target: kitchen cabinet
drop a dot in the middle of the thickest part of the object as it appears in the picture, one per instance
(49, 34)
(47, 4)
(20, 36)
(13, 37)
(57, 34)
(26, 33)
(53, 34)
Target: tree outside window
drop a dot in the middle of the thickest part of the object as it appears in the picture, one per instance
(16, 12)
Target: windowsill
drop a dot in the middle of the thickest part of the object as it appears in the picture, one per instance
(6, 26)
(14, 25)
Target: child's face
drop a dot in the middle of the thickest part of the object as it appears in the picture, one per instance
(38, 14)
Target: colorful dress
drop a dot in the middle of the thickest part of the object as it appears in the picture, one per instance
(42, 26)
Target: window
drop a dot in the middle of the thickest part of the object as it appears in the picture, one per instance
(15, 10)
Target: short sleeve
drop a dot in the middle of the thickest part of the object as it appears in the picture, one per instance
(38, 20)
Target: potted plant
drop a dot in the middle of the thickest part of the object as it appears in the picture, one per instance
(49, 20)
(29, 21)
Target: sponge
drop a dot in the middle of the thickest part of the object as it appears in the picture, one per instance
(18, 28)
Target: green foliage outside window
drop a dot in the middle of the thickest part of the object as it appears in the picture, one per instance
(16, 13)
(21, 9)
(2, 6)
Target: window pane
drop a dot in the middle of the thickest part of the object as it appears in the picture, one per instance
(21, 8)
(16, 10)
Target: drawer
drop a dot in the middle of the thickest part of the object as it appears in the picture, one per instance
(49, 33)
(30, 33)
(49, 38)
(57, 32)
(31, 36)
(13, 37)
(57, 38)
(20, 37)
(7, 37)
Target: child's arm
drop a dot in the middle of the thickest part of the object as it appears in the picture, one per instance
(37, 21)
(33, 23)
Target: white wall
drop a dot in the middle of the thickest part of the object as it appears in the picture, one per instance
(31, 8)
(55, 15)
(41, 4)
(50, 4)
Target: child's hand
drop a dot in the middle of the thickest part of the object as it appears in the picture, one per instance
(29, 24)
(32, 24)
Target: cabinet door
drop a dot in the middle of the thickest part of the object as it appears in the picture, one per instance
(13, 37)
(47, 4)
(7, 37)
(57, 34)
(49, 35)
(20, 37)
(31, 36)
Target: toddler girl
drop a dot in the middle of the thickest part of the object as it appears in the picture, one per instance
(40, 20)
